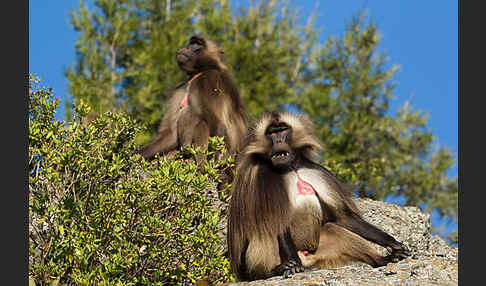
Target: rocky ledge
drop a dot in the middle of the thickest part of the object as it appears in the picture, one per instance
(433, 261)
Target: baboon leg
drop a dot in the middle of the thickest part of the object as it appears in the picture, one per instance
(339, 246)
(366, 230)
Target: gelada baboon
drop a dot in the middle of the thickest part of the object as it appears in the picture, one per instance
(207, 104)
(286, 208)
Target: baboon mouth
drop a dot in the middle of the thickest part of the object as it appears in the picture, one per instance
(181, 57)
(280, 154)
(282, 158)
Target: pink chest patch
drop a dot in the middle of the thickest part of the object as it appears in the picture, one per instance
(304, 188)
(185, 101)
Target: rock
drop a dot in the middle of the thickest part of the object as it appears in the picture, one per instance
(433, 261)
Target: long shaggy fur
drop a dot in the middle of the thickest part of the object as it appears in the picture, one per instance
(303, 139)
(266, 203)
(259, 208)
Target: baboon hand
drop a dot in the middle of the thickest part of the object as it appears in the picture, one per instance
(398, 253)
(287, 269)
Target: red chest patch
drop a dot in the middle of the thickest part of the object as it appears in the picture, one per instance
(304, 188)
(185, 101)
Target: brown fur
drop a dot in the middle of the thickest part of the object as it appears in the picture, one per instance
(255, 216)
(338, 247)
(86, 120)
(214, 106)
(262, 207)
(305, 230)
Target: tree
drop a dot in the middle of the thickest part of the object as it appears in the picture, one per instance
(101, 215)
(126, 61)
(347, 96)
(97, 75)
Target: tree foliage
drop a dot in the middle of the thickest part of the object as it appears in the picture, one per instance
(380, 153)
(126, 61)
(101, 215)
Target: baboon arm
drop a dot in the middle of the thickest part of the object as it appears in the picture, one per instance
(165, 142)
(290, 262)
(286, 247)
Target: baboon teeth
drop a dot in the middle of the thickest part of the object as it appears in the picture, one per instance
(281, 154)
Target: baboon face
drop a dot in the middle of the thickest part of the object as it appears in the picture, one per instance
(281, 140)
(281, 154)
(198, 55)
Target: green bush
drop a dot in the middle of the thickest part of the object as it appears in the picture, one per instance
(101, 215)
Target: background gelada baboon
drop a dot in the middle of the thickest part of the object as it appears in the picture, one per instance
(207, 104)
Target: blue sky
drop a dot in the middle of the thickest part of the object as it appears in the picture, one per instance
(420, 36)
